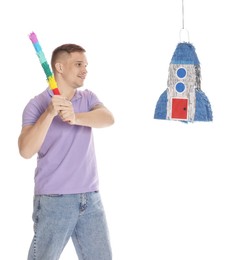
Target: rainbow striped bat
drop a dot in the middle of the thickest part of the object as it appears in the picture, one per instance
(50, 78)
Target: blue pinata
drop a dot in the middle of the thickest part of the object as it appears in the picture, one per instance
(183, 99)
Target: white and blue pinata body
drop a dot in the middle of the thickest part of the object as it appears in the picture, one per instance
(183, 99)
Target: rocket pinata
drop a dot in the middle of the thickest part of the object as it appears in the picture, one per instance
(183, 99)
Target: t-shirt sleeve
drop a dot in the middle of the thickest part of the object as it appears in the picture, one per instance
(35, 107)
(31, 113)
(93, 100)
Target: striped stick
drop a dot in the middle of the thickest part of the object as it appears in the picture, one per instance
(50, 78)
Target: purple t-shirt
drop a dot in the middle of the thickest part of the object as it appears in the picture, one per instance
(66, 162)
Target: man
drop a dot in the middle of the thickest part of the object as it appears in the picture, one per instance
(58, 128)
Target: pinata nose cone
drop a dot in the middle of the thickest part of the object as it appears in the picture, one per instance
(185, 54)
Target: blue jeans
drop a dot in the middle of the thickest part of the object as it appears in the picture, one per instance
(57, 218)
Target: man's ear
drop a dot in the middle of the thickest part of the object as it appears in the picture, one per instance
(59, 67)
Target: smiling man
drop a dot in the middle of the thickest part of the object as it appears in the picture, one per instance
(58, 128)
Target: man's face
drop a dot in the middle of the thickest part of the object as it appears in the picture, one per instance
(75, 69)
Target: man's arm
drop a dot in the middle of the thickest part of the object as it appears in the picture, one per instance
(98, 117)
(32, 136)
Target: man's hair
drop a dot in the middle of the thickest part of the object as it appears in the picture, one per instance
(64, 49)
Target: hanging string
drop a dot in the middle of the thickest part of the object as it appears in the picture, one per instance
(183, 30)
(183, 14)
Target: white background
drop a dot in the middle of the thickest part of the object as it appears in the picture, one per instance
(168, 188)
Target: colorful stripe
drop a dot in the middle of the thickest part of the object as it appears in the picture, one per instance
(50, 78)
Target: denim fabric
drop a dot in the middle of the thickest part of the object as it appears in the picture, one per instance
(57, 218)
